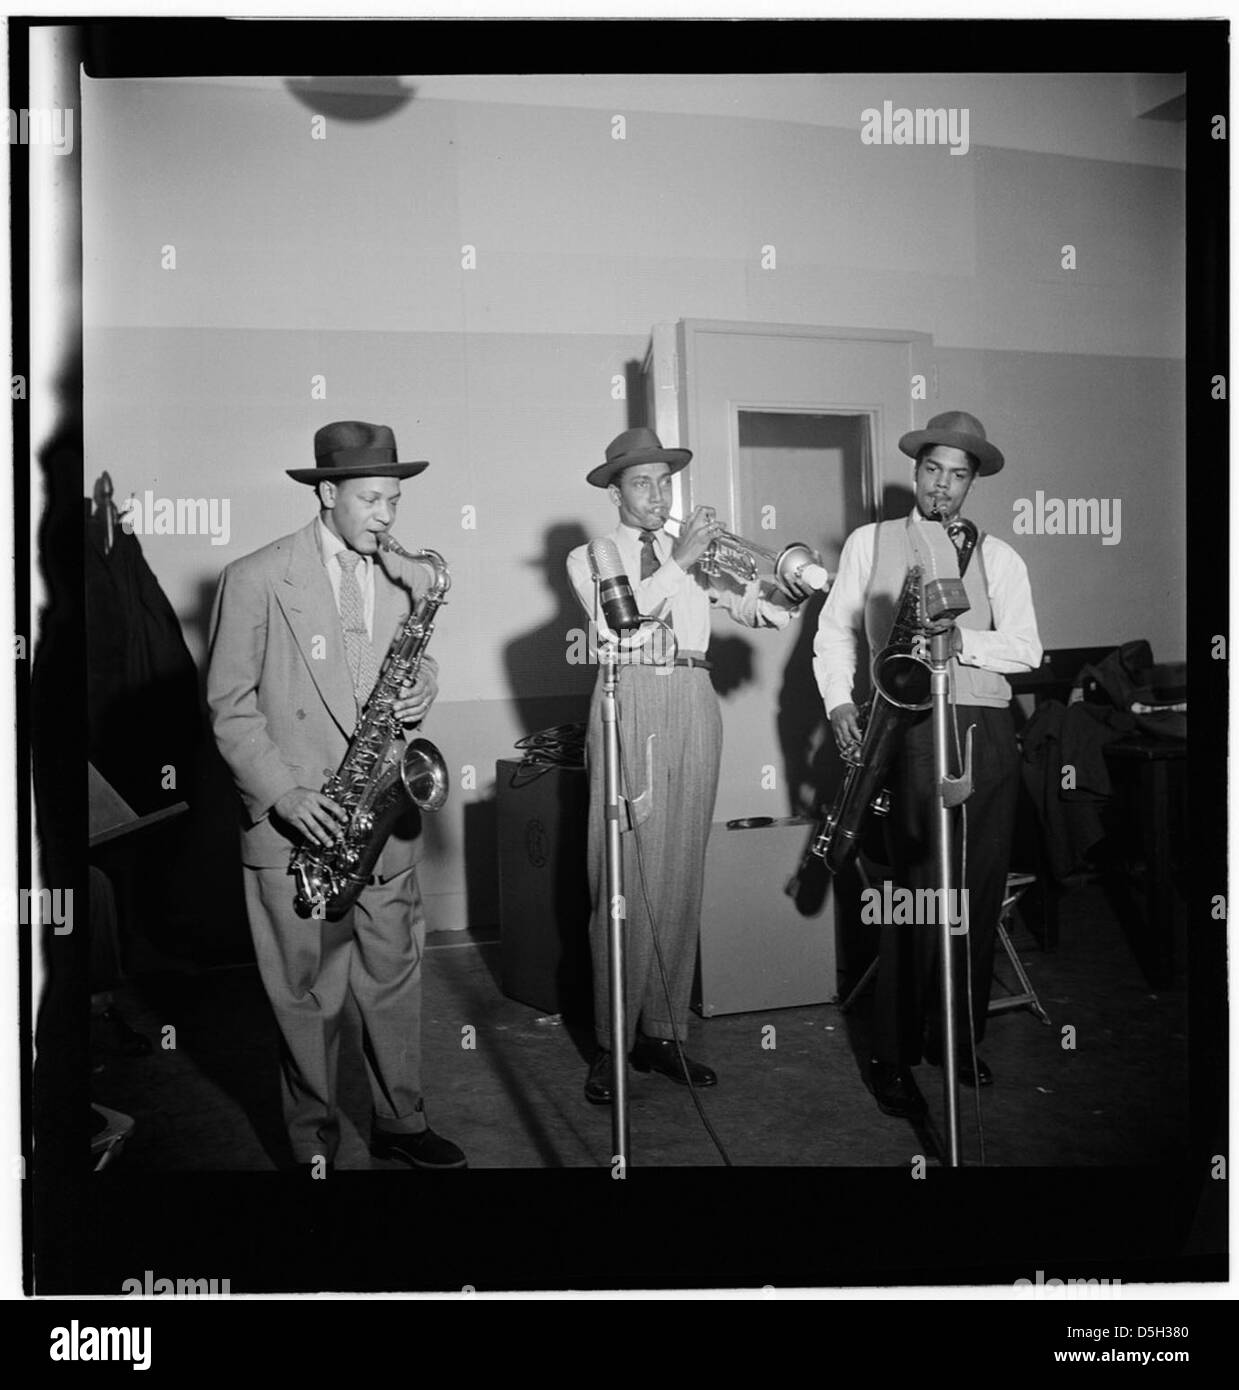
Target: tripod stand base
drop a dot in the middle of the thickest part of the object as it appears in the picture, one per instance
(1016, 886)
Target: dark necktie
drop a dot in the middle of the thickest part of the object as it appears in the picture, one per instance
(649, 556)
(357, 645)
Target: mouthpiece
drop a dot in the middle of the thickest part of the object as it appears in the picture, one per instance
(386, 541)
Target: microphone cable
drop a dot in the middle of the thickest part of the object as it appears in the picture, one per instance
(967, 919)
(658, 955)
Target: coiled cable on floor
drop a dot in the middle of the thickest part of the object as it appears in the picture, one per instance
(563, 745)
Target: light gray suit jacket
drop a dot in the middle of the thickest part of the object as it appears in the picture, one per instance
(278, 684)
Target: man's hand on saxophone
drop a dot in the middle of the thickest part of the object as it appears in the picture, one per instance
(845, 725)
(414, 701)
(316, 816)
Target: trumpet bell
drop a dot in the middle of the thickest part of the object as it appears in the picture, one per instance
(798, 570)
(424, 775)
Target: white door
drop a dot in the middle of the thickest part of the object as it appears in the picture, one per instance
(794, 435)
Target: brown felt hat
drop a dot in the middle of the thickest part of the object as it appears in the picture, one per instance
(958, 430)
(354, 449)
(640, 445)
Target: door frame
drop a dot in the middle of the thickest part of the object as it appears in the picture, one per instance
(871, 490)
(670, 368)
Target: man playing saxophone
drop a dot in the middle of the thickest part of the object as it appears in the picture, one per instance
(298, 634)
(997, 635)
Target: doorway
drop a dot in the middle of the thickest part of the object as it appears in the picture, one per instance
(794, 432)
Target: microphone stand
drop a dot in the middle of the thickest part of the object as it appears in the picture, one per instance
(939, 687)
(609, 646)
(949, 792)
(950, 601)
(617, 974)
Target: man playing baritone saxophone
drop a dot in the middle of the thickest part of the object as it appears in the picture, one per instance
(676, 706)
(998, 634)
(298, 636)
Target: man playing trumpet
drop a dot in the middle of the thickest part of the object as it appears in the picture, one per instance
(673, 704)
(998, 634)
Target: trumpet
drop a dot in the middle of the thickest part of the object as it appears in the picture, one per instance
(796, 569)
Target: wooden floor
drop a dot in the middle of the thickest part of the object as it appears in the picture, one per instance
(1119, 1097)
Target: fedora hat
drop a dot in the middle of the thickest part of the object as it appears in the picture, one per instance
(958, 430)
(635, 446)
(353, 449)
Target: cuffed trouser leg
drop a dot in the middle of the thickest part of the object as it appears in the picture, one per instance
(905, 1000)
(664, 858)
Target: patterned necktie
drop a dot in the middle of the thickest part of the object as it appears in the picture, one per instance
(357, 645)
(649, 556)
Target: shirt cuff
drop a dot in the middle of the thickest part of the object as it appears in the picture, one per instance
(836, 693)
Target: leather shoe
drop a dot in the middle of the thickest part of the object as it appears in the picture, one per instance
(983, 1073)
(312, 1170)
(422, 1150)
(896, 1091)
(124, 1039)
(598, 1090)
(966, 1077)
(660, 1055)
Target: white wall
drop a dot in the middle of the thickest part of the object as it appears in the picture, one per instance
(342, 257)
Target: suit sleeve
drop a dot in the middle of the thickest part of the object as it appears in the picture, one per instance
(237, 649)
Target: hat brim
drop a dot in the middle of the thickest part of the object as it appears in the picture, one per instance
(604, 474)
(989, 460)
(362, 470)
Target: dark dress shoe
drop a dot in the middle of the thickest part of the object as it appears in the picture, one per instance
(424, 1150)
(598, 1089)
(983, 1073)
(966, 1076)
(660, 1055)
(896, 1091)
(313, 1170)
(121, 1037)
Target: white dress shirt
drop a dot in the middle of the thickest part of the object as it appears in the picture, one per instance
(681, 597)
(1013, 645)
(330, 547)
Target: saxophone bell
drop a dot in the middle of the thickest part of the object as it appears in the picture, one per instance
(423, 773)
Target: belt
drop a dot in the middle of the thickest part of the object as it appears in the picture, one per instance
(690, 661)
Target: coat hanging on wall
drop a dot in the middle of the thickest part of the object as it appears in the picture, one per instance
(142, 685)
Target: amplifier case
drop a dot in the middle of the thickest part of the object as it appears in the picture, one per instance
(757, 950)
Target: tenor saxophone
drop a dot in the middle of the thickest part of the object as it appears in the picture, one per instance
(901, 681)
(381, 774)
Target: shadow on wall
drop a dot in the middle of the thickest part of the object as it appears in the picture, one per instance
(548, 687)
(731, 663)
